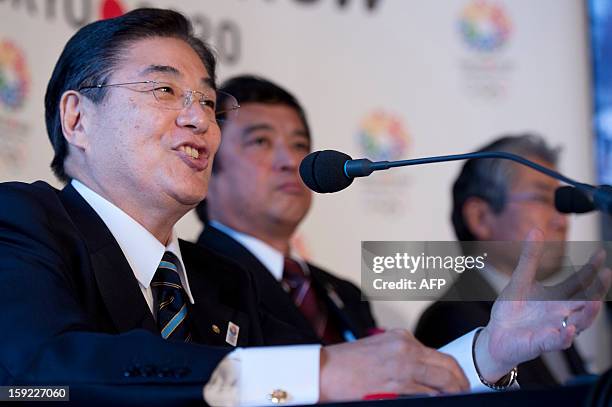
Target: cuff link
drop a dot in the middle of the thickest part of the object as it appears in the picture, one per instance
(278, 396)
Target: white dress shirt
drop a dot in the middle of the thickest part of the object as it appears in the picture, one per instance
(141, 249)
(272, 259)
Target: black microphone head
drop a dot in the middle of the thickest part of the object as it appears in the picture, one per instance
(569, 199)
(323, 171)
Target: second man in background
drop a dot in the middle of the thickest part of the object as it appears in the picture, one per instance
(255, 203)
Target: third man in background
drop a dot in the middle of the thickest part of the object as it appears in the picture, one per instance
(497, 200)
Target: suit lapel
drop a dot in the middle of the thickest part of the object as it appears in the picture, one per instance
(272, 298)
(335, 305)
(211, 316)
(116, 281)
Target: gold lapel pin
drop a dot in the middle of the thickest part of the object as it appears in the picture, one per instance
(216, 329)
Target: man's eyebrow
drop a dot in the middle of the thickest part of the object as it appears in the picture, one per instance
(300, 133)
(247, 131)
(209, 83)
(543, 186)
(160, 69)
(255, 127)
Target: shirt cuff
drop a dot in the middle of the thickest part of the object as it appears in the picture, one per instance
(461, 350)
(249, 377)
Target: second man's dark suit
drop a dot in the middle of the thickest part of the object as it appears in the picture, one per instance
(449, 318)
(349, 313)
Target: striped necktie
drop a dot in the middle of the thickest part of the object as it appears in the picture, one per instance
(309, 302)
(170, 300)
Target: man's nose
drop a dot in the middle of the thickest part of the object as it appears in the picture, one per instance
(194, 115)
(560, 221)
(286, 159)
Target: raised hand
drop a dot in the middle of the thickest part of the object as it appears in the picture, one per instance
(529, 318)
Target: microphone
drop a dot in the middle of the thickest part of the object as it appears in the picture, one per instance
(323, 171)
(332, 171)
(571, 200)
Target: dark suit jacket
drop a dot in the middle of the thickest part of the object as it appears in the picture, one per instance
(73, 312)
(350, 313)
(448, 319)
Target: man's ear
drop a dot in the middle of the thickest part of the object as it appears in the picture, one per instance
(478, 217)
(73, 109)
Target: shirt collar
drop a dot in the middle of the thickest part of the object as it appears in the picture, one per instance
(141, 249)
(271, 258)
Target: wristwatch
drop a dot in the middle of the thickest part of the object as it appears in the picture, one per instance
(502, 384)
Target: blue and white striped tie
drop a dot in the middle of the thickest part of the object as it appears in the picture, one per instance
(170, 300)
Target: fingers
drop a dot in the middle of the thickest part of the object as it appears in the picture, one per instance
(391, 362)
(440, 372)
(553, 336)
(428, 367)
(566, 336)
(525, 272)
(439, 379)
(606, 281)
(577, 285)
(584, 316)
(600, 286)
(416, 389)
(564, 324)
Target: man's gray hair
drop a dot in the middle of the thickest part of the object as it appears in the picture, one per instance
(490, 179)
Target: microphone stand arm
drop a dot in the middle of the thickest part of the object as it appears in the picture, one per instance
(364, 167)
(602, 196)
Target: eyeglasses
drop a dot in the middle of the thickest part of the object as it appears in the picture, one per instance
(540, 198)
(217, 105)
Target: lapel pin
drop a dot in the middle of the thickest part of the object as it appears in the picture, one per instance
(232, 333)
(216, 329)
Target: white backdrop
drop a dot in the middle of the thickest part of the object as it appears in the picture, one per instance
(378, 78)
